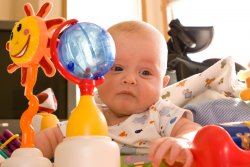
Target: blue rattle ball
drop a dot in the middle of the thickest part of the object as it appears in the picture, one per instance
(86, 50)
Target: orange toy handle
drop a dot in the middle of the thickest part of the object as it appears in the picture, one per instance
(26, 118)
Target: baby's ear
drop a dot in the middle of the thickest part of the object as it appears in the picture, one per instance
(166, 80)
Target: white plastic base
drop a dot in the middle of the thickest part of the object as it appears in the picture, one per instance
(27, 157)
(87, 151)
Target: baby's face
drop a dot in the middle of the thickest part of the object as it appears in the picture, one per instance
(134, 83)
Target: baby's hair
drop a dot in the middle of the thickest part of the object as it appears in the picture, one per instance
(128, 26)
(143, 27)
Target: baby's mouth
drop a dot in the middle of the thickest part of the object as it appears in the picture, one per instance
(125, 92)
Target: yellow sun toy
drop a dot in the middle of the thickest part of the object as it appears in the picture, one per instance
(244, 75)
(29, 49)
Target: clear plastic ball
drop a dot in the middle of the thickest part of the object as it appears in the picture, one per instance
(86, 50)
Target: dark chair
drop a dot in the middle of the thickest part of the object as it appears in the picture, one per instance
(183, 41)
(187, 40)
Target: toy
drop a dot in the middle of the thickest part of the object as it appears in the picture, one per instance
(213, 146)
(47, 105)
(141, 161)
(9, 143)
(29, 49)
(244, 75)
(84, 53)
(239, 132)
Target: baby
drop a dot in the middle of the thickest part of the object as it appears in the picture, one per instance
(137, 117)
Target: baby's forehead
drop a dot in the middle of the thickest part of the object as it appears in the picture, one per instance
(139, 61)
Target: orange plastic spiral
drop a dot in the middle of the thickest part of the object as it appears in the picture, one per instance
(26, 118)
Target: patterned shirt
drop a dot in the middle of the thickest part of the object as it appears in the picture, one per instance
(139, 129)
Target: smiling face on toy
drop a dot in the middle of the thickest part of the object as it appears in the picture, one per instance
(29, 44)
(24, 40)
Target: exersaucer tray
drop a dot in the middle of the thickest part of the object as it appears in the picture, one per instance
(141, 161)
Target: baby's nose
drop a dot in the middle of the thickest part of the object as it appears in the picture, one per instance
(129, 80)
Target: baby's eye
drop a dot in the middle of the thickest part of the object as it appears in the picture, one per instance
(117, 68)
(145, 73)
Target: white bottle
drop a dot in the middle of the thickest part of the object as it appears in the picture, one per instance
(27, 157)
(87, 151)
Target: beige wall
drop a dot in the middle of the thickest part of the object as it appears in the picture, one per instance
(154, 12)
(13, 9)
(104, 12)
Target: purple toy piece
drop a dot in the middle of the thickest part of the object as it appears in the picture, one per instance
(14, 144)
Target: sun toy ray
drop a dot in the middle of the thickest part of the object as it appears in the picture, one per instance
(29, 49)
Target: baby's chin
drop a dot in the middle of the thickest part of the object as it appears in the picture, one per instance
(128, 105)
(127, 110)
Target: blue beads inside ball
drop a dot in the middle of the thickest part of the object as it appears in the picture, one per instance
(86, 50)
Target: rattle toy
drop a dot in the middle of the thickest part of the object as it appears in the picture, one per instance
(29, 49)
(83, 54)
